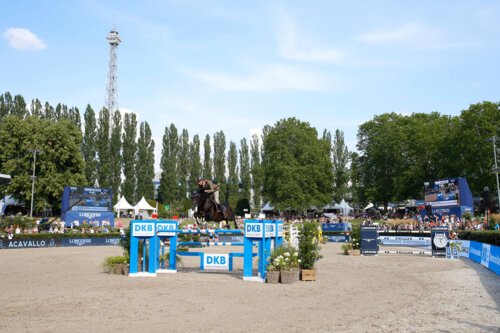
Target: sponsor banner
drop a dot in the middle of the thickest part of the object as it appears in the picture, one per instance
(485, 255)
(337, 238)
(439, 240)
(92, 218)
(216, 261)
(254, 229)
(6, 244)
(143, 229)
(475, 251)
(335, 227)
(162, 228)
(494, 264)
(424, 242)
(369, 244)
(464, 247)
(270, 229)
(230, 238)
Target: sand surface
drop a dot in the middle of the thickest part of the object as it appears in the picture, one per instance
(65, 290)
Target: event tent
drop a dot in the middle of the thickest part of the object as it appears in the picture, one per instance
(123, 205)
(344, 207)
(143, 208)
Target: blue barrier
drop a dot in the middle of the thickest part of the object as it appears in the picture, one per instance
(150, 232)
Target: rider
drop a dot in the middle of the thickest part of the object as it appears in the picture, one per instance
(209, 187)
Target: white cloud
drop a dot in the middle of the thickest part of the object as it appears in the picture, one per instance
(23, 39)
(407, 33)
(270, 78)
(290, 48)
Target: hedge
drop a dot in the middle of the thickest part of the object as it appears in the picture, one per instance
(66, 235)
(484, 236)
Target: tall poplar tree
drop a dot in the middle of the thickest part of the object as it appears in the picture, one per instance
(244, 170)
(169, 180)
(340, 167)
(232, 180)
(103, 150)
(194, 162)
(256, 171)
(89, 146)
(129, 156)
(207, 158)
(220, 163)
(183, 164)
(145, 163)
(116, 154)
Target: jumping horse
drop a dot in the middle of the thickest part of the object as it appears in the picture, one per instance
(205, 209)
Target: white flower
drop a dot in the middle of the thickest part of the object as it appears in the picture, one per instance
(295, 254)
(300, 261)
(286, 254)
(287, 260)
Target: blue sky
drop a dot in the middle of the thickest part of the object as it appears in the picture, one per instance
(239, 65)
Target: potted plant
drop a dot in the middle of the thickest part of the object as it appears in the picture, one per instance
(346, 248)
(355, 239)
(308, 250)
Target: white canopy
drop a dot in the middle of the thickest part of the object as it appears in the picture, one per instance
(143, 207)
(122, 205)
(344, 206)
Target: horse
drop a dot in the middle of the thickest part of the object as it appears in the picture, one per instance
(205, 209)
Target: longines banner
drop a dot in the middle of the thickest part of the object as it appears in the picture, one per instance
(439, 240)
(6, 244)
(369, 240)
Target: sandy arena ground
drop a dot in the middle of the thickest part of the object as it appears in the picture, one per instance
(65, 290)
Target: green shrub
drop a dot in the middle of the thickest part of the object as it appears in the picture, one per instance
(66, 235)
(109, 264)
(309, 244)
(484, 236)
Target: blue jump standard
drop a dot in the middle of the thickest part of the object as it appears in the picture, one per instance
(259, 233)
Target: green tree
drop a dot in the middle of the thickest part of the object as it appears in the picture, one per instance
(380, 143)
(145, 171)
(207, 159)
(478, 123)
(244, 174)
(169, 179)
(183, 164)
(89, 146)
(115, 152)
(129, 156)
(256, 171)
(297, 169)
(232, 180)
(194, 162)
(104, 173)
(340, 167)
(59, 163)
(220, 163)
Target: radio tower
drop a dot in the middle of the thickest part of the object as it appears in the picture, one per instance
(112, 86)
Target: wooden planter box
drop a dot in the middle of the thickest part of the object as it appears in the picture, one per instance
(287, 277)
(273, 277)
(308, 275)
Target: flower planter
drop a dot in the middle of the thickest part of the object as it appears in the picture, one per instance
(296, 271)
(287, 277)
(125, 270)
(273, 277)
(308, 275)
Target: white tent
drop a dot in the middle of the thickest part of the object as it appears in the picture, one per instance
(122, 205)
(344, 206)
(143, 208)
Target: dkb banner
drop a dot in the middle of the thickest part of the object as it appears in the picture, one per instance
(369, 240)
(439, 241)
